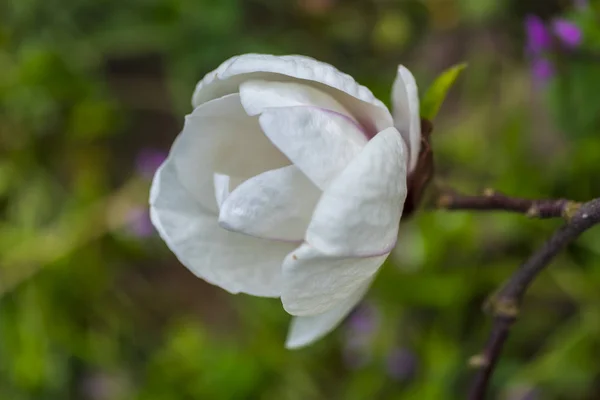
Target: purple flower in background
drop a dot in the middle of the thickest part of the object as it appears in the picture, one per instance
(581, 4)
(138, 222)
(539, 42)
(524, 392)
(360, 327)
(356, 355)
(148, 160)
(104, 386)
(542, 69)
(401, 364)
(538, 36)
(97, 387)
(568, 33)
(364, 320)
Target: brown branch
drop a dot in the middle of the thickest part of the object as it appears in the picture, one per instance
(495, 201)
(505, 304)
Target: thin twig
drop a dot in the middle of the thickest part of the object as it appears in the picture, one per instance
(494, 201)
(506, 302)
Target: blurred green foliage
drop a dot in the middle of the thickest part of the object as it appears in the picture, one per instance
(91, 307)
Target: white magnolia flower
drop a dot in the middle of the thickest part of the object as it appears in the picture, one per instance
(288, 180)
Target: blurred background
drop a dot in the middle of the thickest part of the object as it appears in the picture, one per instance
(94, 307)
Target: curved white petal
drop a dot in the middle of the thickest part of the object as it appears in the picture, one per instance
(235, 262)
(358, 215)
(258, 95)
(305, 330)
(318, 142)
(222, 188)
(405, 107)
(314, 283)
(359, 100)
(276, 204)
(220, 137)
(224, 184)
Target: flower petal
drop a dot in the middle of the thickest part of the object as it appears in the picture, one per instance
(359, 100)
(276, 204)
(353, 228)
(405, 101)
(358, 215)
(224, 185)
(319, 143)
(222, 188)
(314, 283)
(235, 262)
(258, 95)
(305, 330)
(220, 137)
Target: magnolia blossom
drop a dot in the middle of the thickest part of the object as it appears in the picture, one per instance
(288, 180)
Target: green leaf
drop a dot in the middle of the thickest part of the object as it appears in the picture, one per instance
(435, 95)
